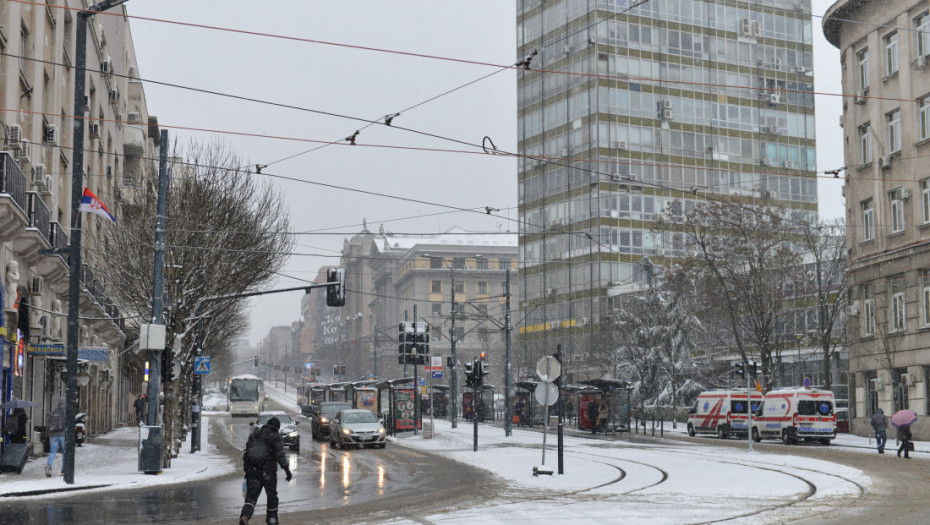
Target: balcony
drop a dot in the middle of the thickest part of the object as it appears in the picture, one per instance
(12, 194)
(39, 217)
(59, 240)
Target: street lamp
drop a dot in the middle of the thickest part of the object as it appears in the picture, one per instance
(454, 372)
(74, 261)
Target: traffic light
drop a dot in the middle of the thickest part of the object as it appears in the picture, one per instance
(469, 373)
(167, 365)
(753, 369)
(255, 363)
(485, 368)
(739, 370)
(405, 338)
(336, 289)
(421, 338)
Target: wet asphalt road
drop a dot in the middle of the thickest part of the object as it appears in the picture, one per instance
(331, 486)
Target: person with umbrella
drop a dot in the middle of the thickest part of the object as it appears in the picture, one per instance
(903, 419)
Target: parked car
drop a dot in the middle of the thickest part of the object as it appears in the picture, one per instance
(322, 414)
(359, 427)
(289, 433)
(842, 420)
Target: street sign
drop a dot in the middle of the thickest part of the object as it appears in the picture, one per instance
(807, 382)
(548, 369)
(540, 393)
(201, 365)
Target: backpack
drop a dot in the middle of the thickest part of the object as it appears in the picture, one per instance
(256, 451)
(56, 422)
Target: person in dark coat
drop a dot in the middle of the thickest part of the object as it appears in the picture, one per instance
(904, 436)
(16, 426)
(262, 472)
(880, 424)
(593, 409)
(139, 405)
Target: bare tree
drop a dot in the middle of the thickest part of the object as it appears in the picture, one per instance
(227, 233)
(743, 257)
(825, 280)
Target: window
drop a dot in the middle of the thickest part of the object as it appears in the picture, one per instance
(897, 312)
(459, 333)
(924, 118)
(458, 263)
(925, 200)
(436, 287)
(459, 287)
(481, 264)
(863, 70)
(482, 287)
(504, 263)
(868, 317)
(436, 309)
(435, 262)
(925, 298)
(897, 211)
(865, 143)
(894, 130)
(923, 34)
(868, 220)
(891, 54)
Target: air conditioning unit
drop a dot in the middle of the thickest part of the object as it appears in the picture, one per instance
(921, 62)
(756, 28)
(564, 153)
(15, 134)
(859, 98)
(25, 148)
(801, 70)
(47, 184)
(771, 129)
(109, 172)
(778, 64)
(582, 321)
(114, 96)
(566, 50)
(51, 134)
(884, 162)
(134, 117)
(550, 291)
(774, 98)
(766, 161)
(667, 114)
(746, 27)
(666, 104)
(37, 286)
(38, 174)
(94, 130)
(907, 379)
(854, 308)
(620, 144)
(106, 67)
(592, 41)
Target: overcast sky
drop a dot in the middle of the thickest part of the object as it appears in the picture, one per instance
(368, 84)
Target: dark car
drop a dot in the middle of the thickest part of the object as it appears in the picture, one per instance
(289, 433)
(358, 427)
(322, 414)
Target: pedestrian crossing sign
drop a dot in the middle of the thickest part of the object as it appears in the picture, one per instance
(201, 365)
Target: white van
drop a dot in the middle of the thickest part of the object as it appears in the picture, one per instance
(790, 414)
(722, 412)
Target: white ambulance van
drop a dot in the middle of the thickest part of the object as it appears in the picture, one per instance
(722, 412)
(790, 414)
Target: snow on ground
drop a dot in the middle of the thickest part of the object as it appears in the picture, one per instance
(622, 478)
(110, 462)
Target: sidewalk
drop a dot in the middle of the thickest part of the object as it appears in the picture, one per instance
(110, 462)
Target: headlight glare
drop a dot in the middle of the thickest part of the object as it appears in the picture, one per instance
(346, 431)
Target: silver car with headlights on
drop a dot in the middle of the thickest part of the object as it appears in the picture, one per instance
(358, 427)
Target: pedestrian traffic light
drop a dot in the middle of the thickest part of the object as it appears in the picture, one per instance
(255, 363)
(336, 289)
(739, 370)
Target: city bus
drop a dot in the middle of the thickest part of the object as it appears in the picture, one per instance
(246, 395)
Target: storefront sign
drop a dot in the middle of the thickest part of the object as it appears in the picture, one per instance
(97, 355)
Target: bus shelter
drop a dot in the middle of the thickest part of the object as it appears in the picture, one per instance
(337, 392)
(616, 393)
(396, 405)
(439, 397)
(526, 411)
(573, 397)
(483, 405)
(318, 394)
(364, 394)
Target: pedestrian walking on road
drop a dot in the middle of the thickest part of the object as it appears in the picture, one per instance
(56, 437)
(139, 405)
(264, 451)
(880, 424)
(904, 436)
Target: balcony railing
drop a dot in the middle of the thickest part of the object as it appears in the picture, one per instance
(12, 180)
(59, 240)
(39, 217)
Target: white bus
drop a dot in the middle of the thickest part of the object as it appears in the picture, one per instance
(246, 394)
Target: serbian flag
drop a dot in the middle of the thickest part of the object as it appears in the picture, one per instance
(90, 202)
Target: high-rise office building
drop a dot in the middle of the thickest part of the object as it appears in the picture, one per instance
(627, 107)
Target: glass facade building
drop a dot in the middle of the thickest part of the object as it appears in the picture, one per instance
(631, 109)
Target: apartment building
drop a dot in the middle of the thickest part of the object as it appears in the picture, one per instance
(885, 54)
(37, 51)
(625, 108)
